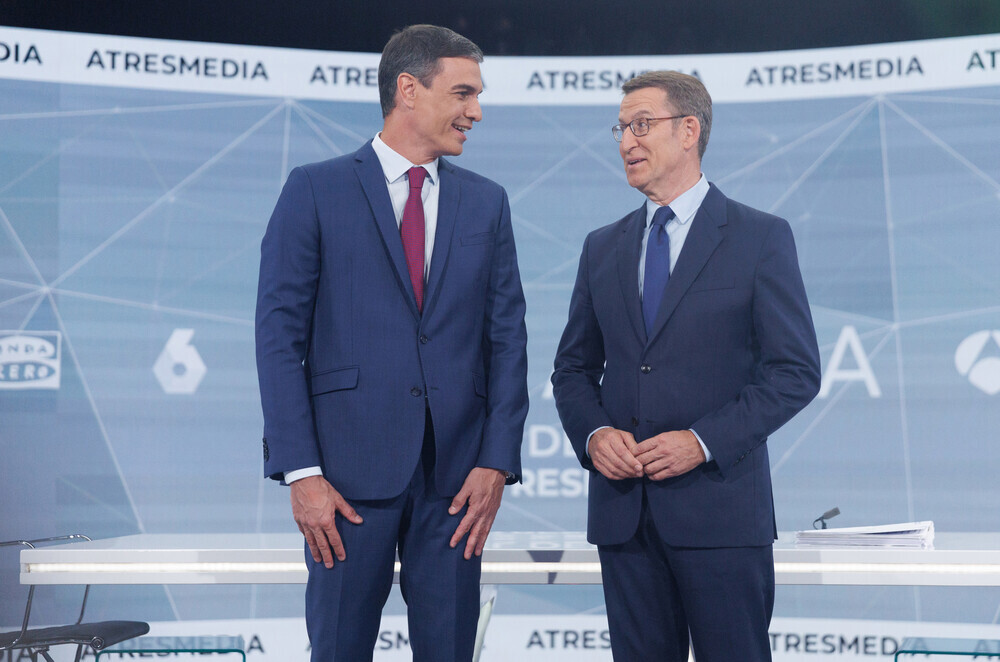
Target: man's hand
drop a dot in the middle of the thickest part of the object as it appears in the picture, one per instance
(613, 453)
(314, 506)
(482, 490)
(669, 454)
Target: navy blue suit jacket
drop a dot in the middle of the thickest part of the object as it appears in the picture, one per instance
(345, 360)
(733, 356)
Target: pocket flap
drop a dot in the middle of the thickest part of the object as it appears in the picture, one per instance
(479, 238)
(334, 380)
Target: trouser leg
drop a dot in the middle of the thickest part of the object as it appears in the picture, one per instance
(344, 603)
(646, 617)
(728, 595)
(440, 586)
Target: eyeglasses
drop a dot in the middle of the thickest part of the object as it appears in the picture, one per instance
(639, 126)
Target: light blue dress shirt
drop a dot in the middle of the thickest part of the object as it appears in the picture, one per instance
(684, 206)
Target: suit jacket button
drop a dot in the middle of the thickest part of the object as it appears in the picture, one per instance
(423, 339)
(416, 392)
(635, 421)
(645, 368)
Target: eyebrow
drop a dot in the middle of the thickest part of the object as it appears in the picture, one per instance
(642, 114)
(463, 87)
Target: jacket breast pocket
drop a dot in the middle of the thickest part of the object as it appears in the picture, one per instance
(478, 238)
(712, 284)
(334, 380)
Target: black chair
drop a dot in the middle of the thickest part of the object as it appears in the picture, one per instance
(37, 641)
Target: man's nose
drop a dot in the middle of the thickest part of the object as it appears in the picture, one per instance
(474, 111)
(628, 139)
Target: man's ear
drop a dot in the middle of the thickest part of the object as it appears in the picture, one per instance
(692, 131)
(406, 89)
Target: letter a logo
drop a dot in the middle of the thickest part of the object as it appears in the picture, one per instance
(849, 341)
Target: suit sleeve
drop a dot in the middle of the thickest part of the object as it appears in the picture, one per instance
(286, 292)
(505, 354)
(579, 367)
(788, 372)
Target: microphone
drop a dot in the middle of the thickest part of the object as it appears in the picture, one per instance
(830, 514)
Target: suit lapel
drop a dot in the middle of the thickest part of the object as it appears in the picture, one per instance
(629, 247)
(372, 179)
(447, 217)
(702, 240)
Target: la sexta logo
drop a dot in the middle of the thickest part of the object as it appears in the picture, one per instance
(30, 359)
(179, 368)
(978, 360)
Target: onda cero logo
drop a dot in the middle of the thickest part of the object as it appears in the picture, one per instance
(30, 359)
(978, 360)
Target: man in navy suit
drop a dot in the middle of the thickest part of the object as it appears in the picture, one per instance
(391, 359)
(689, 341)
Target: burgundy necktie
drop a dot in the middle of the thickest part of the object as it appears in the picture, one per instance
(412, 230)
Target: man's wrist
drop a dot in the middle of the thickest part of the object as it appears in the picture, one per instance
(509, 477)
(704, 448)
(299, 474)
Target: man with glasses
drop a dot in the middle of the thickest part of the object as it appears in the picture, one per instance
(689, 341)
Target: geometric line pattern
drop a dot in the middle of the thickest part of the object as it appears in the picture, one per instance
(126, 214)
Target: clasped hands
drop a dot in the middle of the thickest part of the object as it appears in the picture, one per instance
(617, 455)
(315, 504)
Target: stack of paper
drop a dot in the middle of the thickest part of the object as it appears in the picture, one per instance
(909, 534)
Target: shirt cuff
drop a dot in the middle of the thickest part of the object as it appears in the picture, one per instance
(292, 476)
(708, 453)
(586, 446)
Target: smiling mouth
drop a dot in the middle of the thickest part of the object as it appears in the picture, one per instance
(632, 162)
(463, 129)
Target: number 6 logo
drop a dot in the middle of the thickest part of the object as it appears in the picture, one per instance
(179, 368)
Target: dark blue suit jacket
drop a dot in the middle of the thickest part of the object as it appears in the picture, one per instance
(733, 356)
(345, 360)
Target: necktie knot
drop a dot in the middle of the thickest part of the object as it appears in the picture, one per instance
(416, 177)
(662, 216)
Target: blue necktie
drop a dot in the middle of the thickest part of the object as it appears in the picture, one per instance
(657, 272)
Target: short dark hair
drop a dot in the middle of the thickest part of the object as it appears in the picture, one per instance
(415, 50)
(686, 93)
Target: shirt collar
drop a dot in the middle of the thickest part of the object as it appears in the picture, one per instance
(684, 206)
(395, 165)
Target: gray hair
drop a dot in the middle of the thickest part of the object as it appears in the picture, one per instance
(415, 50)
(686, 93)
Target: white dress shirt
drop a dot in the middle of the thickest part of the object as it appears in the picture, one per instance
(395, 167)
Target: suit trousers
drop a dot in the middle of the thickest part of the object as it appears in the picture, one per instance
(441, 589)
(661, 597)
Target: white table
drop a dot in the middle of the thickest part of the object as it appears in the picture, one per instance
(958, 559)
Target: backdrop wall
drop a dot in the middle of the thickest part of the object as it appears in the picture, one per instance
(137, 177)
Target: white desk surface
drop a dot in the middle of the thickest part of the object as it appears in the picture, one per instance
(958, 559)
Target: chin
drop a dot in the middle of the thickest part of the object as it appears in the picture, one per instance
(635, 182)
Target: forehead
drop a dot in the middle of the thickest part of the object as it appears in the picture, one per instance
(458, 72)
(644, 102)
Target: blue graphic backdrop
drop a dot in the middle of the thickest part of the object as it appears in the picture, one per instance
(128, 215)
